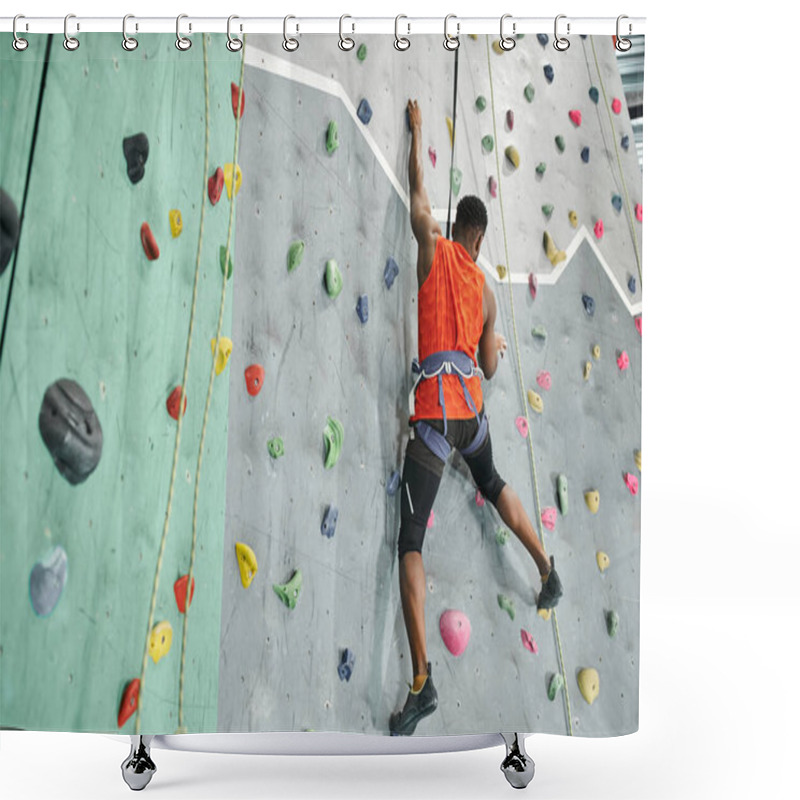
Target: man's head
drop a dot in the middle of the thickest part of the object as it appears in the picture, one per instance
(470, 225)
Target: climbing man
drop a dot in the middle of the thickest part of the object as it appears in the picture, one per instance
(457, 313)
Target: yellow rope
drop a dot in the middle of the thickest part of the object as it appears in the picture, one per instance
(619, 165)
(160, 561)
(211, 381)
(537, 508)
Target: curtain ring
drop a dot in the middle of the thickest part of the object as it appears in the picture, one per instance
(181, 42)
(289, 44)
(18, 43)
(234, 44)
(401, 42)
(506, 42)
(128, 42)
(448, 39)
(623, 44)
(561, 43)
(345, 42)
(70, 42)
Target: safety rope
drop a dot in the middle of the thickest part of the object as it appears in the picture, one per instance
(453, 143)
(619, 165)
(537, 508)
(211, 381)
(176, 449)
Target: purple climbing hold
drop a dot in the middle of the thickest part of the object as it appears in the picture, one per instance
(390, 272)
(632, 284)
(136, 149)
(542, 37)
(408, 121)
(616, 201)
(625, 142)
(510, 119)
(9, 229)
(47, 580)
(329, 521)
(588, 304)
(394, 484)
(548, 72)
(362, 308)
(346, 665)
(364, 111)
(492, 186)
(585, 155)
(533, 285)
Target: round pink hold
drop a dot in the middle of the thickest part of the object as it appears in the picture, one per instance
(637, 321)
(432, 155)
(522, 426)
(533, 285)
(575, 116)
(430, 520)
(479, 501)
(598, 229)
(455, 629)
(529, 641)
(492, 186)
(616, 105)
(638, 210)
(544, 380)
(632, 482)
(622, 360)
(549, 518)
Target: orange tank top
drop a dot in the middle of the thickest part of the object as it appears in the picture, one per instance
(450, 317)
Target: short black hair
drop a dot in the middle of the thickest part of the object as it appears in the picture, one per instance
(471, 213)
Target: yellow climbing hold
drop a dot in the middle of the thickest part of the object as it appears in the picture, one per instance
(573, 219)
(512, 155)
(175, 223)
(501, 272)
(537, 404)
(555, 255)
(222, 353)
(248, 566)
(450, 131)
(228, 172)
(544, 613)
(637, 459)
(160, 641)
(592, 499)
(603, 561)
(596, 352)
(496, 47)
(473, 36)
(587, 369)
(589, 684)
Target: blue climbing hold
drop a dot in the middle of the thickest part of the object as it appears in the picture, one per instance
(394, 484)
(408, 121)
(390, 272)
(632, 285)
(626, 142)
(616, 201)
(362, 308)
(542, 37)
(585, 155)
(548, 72)
(588, 304)
(329, 521)
(346, 665)
(364, 111)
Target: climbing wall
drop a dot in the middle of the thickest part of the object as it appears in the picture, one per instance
(322, 360)
(78, 561)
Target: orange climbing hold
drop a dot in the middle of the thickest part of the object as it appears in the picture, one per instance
(254, 378)
(130, 702)
(173, 403)
(180, 592)
(235, 94)
(149, 242)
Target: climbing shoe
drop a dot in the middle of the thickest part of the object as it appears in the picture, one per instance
(551, 588)
(417, 707)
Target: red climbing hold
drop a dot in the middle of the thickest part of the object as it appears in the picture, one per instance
(130, 702)
(235, 91)
(533, 285)
(638, 209)
(180, 593)
(492, 186)
(432, 155)
(616, 105)
(215, 185)
(172, 403)
(598, 229)
(254, 377)
(149, 243)
(637, 321)
(479, 501)
(623, 361)
(510, 119)
(575, 116)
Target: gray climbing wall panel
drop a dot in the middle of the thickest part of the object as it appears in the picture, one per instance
(278, 666)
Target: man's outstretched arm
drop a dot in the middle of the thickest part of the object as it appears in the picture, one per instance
(424, 226)
(490, 343)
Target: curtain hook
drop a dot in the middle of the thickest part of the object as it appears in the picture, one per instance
(234, 44)
(70, 42)
(622, 44)
(128, 42)
(561, 43)
(18, 43)
(289, 44)
(181, 42)
(448, 39)
(506, 42)
(401, 42)
(345, 42)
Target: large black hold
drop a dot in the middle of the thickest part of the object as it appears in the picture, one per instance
(9, 229)
(136, 149)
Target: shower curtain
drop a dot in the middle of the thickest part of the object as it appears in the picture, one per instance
(210, 296)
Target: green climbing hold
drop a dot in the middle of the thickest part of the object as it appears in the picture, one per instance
(296, 250)
(507, 604)
(540, 168)
(487, 143)
(547, 209)
(612, 623)
(334, 436)
(332, 141)
(333, 279)
(563, 501)
(528, 92)
(560, 144)
(275, 447)
(594, 94)
(502, 536)
(361, 52)
(480, 103)
(539, 332)
(455, 180)
(556, 685)
(222, 250)
(289, 592)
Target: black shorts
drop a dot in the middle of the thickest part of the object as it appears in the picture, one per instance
(422, 473)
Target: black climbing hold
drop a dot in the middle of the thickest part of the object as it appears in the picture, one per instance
(543, 39)
(616, 201)
(390, 272)
(632, 285)
(625, 142)
(9, 229)
(136, 149)
(585, 155)
(594, 94)
(548, 72)
(346, 665)
(588, 304)
(362, 308)
(364, 111)
(329, 521)
(394, 484)
(70, 430)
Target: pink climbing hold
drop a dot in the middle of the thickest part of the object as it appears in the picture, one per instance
(479, 501)
(575, 116)
(430, 520)
(533, 285)
(529, 641)
(510, 119)
(543, 379)
(638, 210)
(598, 229)
(622, 360)
(522, 426)
(455, 629)
(492, 186)
(616, 105)
(549, 518)
(632, 482)
(432, 155)
(637, 321)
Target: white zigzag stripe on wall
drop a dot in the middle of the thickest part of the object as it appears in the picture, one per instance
(294, 72)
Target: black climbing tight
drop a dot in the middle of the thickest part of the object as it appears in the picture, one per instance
(422, 474)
